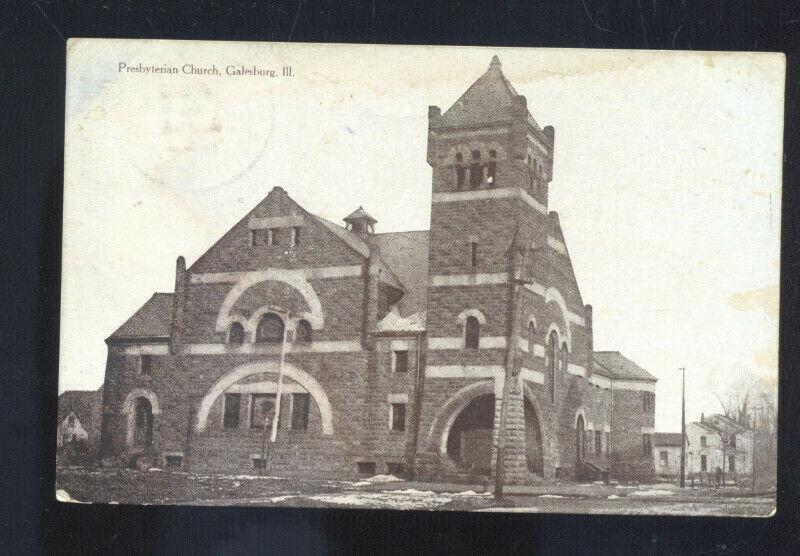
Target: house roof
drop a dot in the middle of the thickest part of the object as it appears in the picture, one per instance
(151, 320)
(406, 253)
(616, 366)
(84, 403)
(666, 439)
(723, 423)
(488, 100)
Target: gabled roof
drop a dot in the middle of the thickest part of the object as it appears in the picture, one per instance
(667, 439)
(487, 101)
(723, 423)
(616, 366)
(345, 235)
(152, 320)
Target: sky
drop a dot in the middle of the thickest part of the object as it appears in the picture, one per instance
(667, 181)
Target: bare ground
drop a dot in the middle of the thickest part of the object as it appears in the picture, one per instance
(127, 486)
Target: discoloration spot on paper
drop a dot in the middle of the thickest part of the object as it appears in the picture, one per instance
(762, 299)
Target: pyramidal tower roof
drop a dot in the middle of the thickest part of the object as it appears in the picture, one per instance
(359, 214)
(488, 100)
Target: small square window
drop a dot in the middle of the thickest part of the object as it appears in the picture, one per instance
(398, 417)
(259, 464)
(173, 461)
(401, 361)
(366, 467)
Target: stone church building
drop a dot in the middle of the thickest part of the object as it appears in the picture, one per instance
(397, 347)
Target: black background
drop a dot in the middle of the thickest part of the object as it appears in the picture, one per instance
(32, 65)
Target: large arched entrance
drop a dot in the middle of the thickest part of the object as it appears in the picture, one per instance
(470, 438)
(533, 439)
(143, 423)
(469, 443)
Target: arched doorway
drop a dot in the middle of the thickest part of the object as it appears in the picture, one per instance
(580, 435)
(143, 423)
(469, 443)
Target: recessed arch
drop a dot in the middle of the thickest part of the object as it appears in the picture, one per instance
(304, 379)
(130, 399)
(552, 294)
(129, 406)
(462, 317)
(582, 411)
(562, 337)
(291, 278)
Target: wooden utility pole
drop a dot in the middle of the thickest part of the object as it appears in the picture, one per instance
(683, 427)
(753, 450)
(278, 393)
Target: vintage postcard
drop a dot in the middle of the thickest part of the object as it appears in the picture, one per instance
(434, 278)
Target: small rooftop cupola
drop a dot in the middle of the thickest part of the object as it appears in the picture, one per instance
(360, 222)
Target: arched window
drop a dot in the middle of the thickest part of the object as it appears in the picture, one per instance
(270, 329)
(531, 336)
(472, 332)
(302, 333)
(459, 157)
(564, 358)
(236, 334)
(551, 361)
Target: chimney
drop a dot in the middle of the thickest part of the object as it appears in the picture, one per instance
(702, 417)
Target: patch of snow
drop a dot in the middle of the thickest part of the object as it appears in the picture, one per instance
(395, 323)
(382, 479)
(411, 491)
(360, 483)
(613, 497)
(627, 486)
(652, 492)
(551, 496)
(282, 498)
(467, 493)
(387, 500)
(527, 510)
(155, 469)
(63, 496)
(598, 483)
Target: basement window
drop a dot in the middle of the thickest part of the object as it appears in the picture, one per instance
(396, 469)
(173, 461)
(366, 468)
